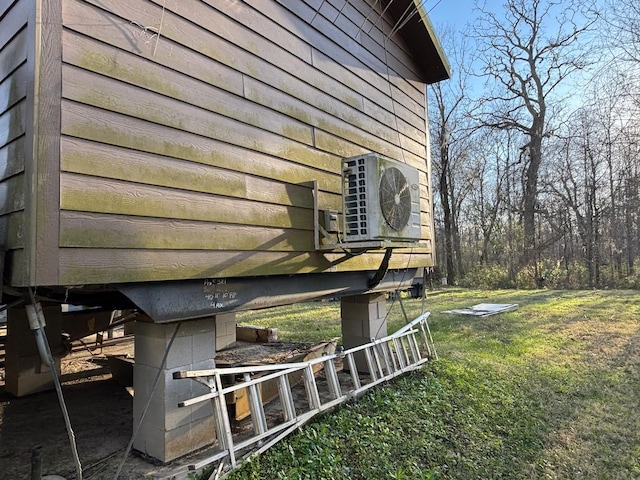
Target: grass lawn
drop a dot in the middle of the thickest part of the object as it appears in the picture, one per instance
(551, 390)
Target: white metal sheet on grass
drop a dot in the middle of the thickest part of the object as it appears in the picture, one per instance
(485, 309)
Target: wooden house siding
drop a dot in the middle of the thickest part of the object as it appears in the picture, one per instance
(181, 138)
(14, 79)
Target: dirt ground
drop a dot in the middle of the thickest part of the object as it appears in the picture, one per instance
(101, 412)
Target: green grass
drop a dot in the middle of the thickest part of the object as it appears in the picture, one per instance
(551, 390)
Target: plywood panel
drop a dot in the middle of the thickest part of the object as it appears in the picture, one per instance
(87, 265)
(95, 159)
(92, 230)
(92, 194)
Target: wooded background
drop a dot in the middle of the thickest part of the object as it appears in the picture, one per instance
(536, 147)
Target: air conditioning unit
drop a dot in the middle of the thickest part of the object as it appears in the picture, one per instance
(381, 199)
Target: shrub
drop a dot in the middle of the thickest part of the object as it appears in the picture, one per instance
(487, 277)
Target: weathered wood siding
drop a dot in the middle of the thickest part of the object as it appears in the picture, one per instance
(191, 132)
(14, 42)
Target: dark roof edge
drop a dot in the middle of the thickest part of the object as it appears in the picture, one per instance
(422, 41)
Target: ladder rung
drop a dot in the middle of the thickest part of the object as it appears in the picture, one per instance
(382, 347)
(372, 372)
(376, 357)
(312, 388)
(255, 407)
(399, 353)
(405, 354)
(286, 398)
(413, 348)
(332, 379)
(353, 371)
(425, 341)
(390, 353)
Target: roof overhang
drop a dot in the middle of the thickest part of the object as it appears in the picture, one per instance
(421, 39)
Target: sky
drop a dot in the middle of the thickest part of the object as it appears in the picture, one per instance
(456, 13)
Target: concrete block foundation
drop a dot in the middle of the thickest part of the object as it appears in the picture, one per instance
(363, 319)
(168, 431)
(24, 371)
(225, 330)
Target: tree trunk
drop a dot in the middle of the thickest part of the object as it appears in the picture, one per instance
(530, 197)
(443, 188)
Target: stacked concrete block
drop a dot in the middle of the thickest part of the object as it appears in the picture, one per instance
(25, 373)
(225, 330)
(168, 431)
(363, 319)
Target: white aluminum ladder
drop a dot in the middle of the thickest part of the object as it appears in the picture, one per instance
(384, 359)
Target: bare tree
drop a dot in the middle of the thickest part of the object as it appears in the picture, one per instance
(450, 130)
(593, 176)
(526, 56)
(623, 16)
(581, 187)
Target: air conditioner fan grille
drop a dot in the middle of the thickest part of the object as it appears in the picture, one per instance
(395, 198)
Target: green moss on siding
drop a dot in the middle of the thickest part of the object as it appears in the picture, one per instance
(127, 72)
(167, 146)
(137, 233)
(172, 175)
(112, 197)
